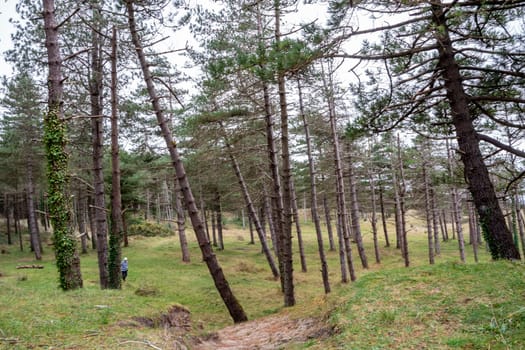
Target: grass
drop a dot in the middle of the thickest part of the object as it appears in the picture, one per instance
(449, 305)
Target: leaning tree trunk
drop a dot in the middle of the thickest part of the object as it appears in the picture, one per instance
(117, 226)
(342, 215)
(95, 89)
(313, 190)
(496, 232)
(55, 140)
(251, 210)
(234, 307)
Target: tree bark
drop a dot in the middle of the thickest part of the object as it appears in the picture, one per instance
(373, 219)
(496, 232)
(428, 214)
(251, 210)
(383, 213)
(81, 218)
(313, 193)
(95, 89)
(117, 227)
(31, 215)
(295, 212)
(234, 307)
(328, 219)
(66, 255)
(285, 238)
(354, 212)
(342, 215)
(181, 225)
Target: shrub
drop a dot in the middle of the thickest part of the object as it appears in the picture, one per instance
(149, 229)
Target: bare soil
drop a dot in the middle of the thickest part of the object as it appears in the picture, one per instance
(272, 332)
(267, 333)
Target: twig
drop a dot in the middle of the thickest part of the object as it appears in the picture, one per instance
(145, 342)
(9, 340)
(30, 267)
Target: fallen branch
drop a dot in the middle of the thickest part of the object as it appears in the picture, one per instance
(30, 267)
(9, 340)
(145, 342)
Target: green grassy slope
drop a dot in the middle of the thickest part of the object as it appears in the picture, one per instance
(446, 306)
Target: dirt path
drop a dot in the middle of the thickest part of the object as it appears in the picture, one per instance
(264, 334)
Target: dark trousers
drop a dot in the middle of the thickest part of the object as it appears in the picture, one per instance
(124, 275)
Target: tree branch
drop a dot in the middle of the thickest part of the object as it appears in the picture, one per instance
(502, 146)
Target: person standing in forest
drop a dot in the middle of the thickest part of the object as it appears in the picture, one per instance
(124, 268)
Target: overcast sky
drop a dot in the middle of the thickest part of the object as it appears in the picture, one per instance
(7, 10)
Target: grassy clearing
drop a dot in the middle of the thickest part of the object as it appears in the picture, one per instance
(445, 306)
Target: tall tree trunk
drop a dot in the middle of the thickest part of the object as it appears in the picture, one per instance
(31, 214)
(95, 89)
(213, 227)
(218, 216)
(472, 231)
(92, 223)
(16, 220)
(81, 217)
(521, 227)
(443, 223)
(342, 215)
(203, 213)
(342, 249)
(406, 255)
(271, 225)
(328, 219)
(354, 212)
(251, 210)
(234, 307)
(373, 219)
(459, 228)
(435, 220)
(285, 238)
(383, 213)
(428, 213)
(300, 242)
(117, 227)
(496, 232)
(66, 255)
(313, 191)
(181, 225)
(8, 210)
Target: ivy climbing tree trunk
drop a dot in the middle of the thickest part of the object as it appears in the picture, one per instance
(55, 140)
(234, 307)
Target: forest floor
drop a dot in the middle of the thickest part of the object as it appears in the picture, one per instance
(266, 333)
(272, 332)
